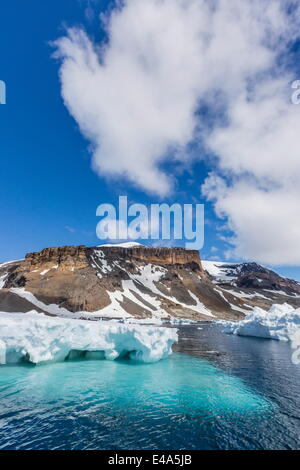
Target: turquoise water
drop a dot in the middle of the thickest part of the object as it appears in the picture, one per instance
(183, 402)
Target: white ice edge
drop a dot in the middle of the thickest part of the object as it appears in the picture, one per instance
(36, 338)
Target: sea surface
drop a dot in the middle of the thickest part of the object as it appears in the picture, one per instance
(216, 391)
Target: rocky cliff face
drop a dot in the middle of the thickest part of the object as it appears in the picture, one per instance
(162, 256)
(252, 275)
(78, 257)
(253, 283)
(114, 281)
(65, 258)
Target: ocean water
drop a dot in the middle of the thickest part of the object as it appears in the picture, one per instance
(246, 398)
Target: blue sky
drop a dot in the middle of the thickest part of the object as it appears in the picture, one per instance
(49, 191)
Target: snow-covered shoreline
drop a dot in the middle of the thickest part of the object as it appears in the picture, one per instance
(36, 338)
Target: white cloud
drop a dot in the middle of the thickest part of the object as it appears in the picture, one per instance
(70, 229)
(265, 222)
(135, 99)
(259, 158)
(258, 162)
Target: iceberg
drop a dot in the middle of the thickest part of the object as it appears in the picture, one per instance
(35, 338)
(280, 322)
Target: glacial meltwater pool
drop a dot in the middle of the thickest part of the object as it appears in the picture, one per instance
(246, 398)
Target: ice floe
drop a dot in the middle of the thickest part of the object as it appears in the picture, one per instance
(36, 338)
(281, 322)
(181, 321)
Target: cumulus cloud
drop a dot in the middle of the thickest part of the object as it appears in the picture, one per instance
(259, 163)
(137, 99)
(265, 222)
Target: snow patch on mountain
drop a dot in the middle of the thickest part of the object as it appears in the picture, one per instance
(4, 276)
(244, 295)
(2, 280)
(221, 271)
(281, 292)
(7, 263)
(146, 276)
(149, 275)
(122, 245)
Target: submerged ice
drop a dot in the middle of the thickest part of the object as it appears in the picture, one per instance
(35, 338)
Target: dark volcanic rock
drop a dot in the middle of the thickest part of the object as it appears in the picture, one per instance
(254, 276)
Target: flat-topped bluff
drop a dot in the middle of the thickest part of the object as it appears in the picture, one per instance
(117, 281)
(79, 257)
(63, 257)
(134, 280)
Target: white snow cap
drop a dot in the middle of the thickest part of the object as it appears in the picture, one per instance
(221, 270)
(36, 338)
(123, 245)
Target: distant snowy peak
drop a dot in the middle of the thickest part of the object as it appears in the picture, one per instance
(223, 271)
(250, 276)
(220, 270)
